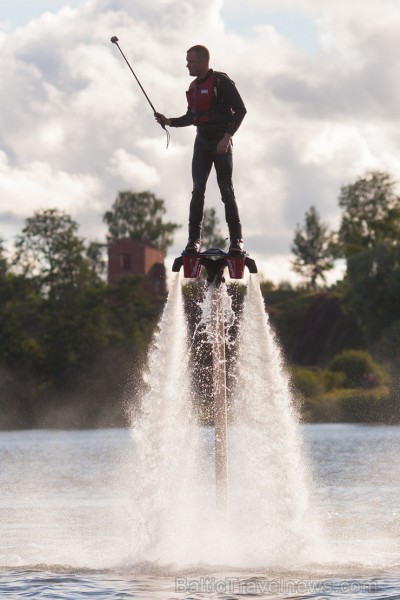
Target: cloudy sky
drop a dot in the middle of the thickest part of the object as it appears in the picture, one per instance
(319, 79)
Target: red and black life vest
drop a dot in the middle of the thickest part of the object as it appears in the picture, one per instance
(202, 98)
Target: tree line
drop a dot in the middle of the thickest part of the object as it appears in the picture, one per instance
(69, 341)
(72, 347)
(367, 240)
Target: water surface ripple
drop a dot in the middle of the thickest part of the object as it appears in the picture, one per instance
(65, 515)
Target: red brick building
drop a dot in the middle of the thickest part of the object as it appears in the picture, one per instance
(131, 257)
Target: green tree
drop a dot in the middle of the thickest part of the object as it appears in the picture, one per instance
(371, 213)
(96, 255)
(212, 236)
(359, 368)
(374, 278)
(71, 322)
(312, 247)
(49, 250)
(20, 310)
(139, 216)
(20, 349)
(3, 260)
(69, 341)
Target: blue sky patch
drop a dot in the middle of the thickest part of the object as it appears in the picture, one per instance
(297, 26)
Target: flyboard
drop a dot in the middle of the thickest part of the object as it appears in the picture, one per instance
(215, 261)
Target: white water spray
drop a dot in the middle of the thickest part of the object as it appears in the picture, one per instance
(269, 498)
(166, 442)
(268, 518)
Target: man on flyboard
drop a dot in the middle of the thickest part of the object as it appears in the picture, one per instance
(216, 108)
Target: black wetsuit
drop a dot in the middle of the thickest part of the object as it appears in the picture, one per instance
(225, 116)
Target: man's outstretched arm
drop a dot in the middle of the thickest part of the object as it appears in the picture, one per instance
(183, 121)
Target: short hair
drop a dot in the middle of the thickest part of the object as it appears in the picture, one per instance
(201, 51)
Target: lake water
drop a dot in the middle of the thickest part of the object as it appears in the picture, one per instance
(66, 522)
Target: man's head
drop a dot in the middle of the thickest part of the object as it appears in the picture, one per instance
(198, 61)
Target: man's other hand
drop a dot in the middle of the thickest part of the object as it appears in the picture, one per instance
(224, 144)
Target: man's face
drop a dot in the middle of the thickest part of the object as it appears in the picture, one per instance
(196, 65)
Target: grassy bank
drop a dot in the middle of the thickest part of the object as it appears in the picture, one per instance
(353, 406)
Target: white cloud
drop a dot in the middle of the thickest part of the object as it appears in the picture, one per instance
(76, 128)
(132, 169)
(36, 185)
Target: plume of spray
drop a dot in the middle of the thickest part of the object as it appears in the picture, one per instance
(270, 504)
(269, 517)
(165, 439)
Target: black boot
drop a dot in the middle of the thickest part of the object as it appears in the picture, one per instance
(194, 241)
(236, 246)
(193, 246)
(236, 238)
